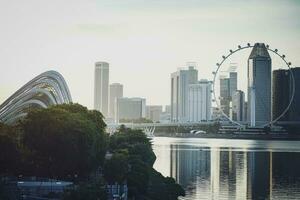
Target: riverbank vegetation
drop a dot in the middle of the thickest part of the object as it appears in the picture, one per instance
(68, 142)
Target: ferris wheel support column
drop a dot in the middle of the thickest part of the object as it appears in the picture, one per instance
(252, 106)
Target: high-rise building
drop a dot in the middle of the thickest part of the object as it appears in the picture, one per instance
(294, 111)
(153, 112)
(200, 101)
(180, 82)
(130, 108)
(282, 93)
(232, 83)
(259, 85)
(228, 86)
(115, 92)
(101, 87)
(238, 104)
(225, 94)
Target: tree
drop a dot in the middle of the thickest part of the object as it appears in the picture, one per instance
(64, 141)
(10, 155)
(143, 181)
(116, 168)
(87, 191)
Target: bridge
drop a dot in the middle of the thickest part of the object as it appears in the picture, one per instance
(149, 128)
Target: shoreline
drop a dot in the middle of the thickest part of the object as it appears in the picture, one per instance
(235, 136)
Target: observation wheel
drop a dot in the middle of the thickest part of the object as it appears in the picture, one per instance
(238, 49)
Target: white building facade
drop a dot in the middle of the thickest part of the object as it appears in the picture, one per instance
(130, 108)
(115, 92)
(180, 81)
(154, 112)
(199, 97)
(101, 87)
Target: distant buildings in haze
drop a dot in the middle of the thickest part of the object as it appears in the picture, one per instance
(130, 109)
(228, 87)
(101, 85)
(115, 92)
(190, 98)
(154, 112)
(180, 81)
(200, 101)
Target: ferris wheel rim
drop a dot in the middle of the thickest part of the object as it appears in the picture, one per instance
(275, 51)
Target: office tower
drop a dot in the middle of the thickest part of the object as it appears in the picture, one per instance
(130, 109)
(294, 111)
(225, 94)
(101, 87)
(259, 85)
(200, 101)
(180, 82)
(115, 91)
(232, 83)
(153, 112)
(282, 93)
(238, 103)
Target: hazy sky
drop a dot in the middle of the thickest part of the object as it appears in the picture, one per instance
(143, 40)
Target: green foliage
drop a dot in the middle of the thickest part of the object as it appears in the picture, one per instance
(138, 177)
(116, 168)
(64, 141)
(167, 188)
(10, 156)
(87, 191)
(143, 181)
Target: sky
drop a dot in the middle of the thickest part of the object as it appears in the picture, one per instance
(143, 40)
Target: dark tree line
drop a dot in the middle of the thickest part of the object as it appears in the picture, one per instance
(68, 142)
(63, 141)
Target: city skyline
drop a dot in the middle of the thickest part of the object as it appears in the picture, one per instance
(143, 42)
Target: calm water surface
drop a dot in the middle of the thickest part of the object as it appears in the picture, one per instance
(231, 169)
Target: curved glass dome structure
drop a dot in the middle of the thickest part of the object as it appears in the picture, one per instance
(48, 88)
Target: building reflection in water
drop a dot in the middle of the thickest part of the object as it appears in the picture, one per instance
(228, 173)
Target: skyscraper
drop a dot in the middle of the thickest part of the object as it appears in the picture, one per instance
(180, 82)
(282, 93)
(259, 85)
(294, 111)
(228, 87)
(101, 87)
(200, 101)
(225, 94)
(232, 83)
(115, 91)
(238, 104)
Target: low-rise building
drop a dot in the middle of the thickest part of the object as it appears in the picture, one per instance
(130, 108)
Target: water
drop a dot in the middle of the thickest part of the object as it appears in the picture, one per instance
(231, 169)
